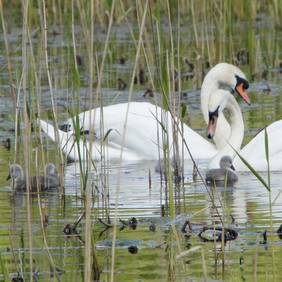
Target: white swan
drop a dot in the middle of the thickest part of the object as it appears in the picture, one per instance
(146, 142)
(254, 151)
(144, 136)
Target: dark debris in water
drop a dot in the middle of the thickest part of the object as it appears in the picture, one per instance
(152, 227)
(280, 67)
(186, 224)
(7, 143)
(232, 219)
(133, 249)
(121, 84)
(149, 92)
(18, 278)
(264, 238)
(70, 229)
(189, 64)
(279, 232)
(241, 260)
(141, 78)
(211, 234)
(131, 223)
(122, 60)
(79, 60)
(242, 57)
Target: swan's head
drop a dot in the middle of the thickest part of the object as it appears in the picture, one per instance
(230, 77)
(215, 107)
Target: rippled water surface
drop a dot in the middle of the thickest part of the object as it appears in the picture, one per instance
(150, 251)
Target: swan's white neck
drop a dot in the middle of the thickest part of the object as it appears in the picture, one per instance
(209, 86)
(236, 136)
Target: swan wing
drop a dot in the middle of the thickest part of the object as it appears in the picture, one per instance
(254, 151)
(144, 130)
(81, 151)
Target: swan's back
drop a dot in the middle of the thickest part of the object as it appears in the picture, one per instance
(142, 134)
(145, 132)
(254, 151)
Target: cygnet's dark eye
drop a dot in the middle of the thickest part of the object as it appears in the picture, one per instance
(240, 80)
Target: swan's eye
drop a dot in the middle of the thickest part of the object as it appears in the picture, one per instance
(240, 80)
(213, 114)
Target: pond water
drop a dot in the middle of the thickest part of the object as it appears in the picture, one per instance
(149, 251)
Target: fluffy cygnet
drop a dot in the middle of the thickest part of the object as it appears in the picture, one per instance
(226, 172)
(50, 179)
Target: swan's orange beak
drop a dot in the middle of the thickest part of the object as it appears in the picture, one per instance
(243, 93)
(212, 126)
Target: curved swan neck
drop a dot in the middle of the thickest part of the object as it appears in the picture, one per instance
(221, 76)
(208, 87)
(211, 84)
(237, 125)
(236, 136)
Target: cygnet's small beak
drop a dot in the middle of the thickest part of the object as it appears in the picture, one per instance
(232, 167)
(212, 126)
(8, 177)
(243, 93)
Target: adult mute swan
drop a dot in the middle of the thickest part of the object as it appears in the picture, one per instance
(254, 151)
(144, 131)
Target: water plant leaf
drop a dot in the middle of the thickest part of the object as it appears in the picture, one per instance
(160, 123)
(188, 252)
(4, 269)
(266, 145)
(183, 111)
(267, 155)
(107, 134)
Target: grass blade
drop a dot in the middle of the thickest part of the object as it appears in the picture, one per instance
(107, 134)
(255, 173)
(267, 155)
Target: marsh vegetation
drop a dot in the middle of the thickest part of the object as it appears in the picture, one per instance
(119, 221)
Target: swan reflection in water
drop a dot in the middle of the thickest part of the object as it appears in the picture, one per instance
(137, 198)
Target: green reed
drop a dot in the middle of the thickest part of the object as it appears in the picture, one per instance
(4, 269)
